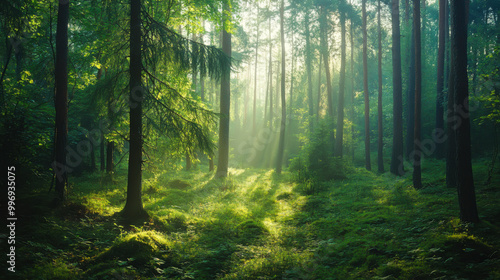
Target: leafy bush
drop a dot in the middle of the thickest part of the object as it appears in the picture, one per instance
(315, 159)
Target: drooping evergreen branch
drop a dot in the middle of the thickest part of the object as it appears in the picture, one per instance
(163, 43)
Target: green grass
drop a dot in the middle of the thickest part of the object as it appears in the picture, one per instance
(256, 225)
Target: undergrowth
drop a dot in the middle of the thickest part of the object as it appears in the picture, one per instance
(255, 225)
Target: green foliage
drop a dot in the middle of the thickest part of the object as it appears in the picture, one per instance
(254, 225)
(315, 161)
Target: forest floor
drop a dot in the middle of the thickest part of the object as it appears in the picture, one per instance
(256, 225)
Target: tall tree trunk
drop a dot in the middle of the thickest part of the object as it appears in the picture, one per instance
(133, 207)
(277, 85)
(319, 87)
(397, 160)
(366, 93)
(340, 113)
(353, 93)
(255, 76)
(380, 156)
(410, 96)
(440, 80)
(109, 156)
(225, 102)
(281, 146)
(324, 51)
(290, 101)
(459, 89)
(270, 79)
(309, 70)
(417, 168)
(61, 100)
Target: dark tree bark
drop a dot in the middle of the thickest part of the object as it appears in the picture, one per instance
(109, 157)
(61, 100)
(101, 150)
(366, 93)
(281, 145)
(380, 156)
(439, 153)
(461, 115)
(134, 210)
(309, 70)
(340, 113)
(417, 171)
(410, 96)
(397, 160)
(225, 103)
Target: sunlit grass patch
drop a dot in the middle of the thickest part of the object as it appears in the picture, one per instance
(273, 262)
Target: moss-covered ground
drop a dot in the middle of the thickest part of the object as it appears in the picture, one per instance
(256, 225)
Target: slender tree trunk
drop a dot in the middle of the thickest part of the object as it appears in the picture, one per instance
(290, 101)
(459, 88)
(353, 93)
(61, 100)
(380, 156)
(270, 79)
(102, 157)
(109, 156)
(366, 93)
(202, 77)
(255, 76)
(277, 86)
(281, 146)
(397, 160)
(319, 88)
(225, 102)
(309, 70)
(92, 158)
(440, 80)
(340, 113)
(271, 112)
(410, 94)
(133, 208)
(417, 171)
(266, 99)
(324, 51)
